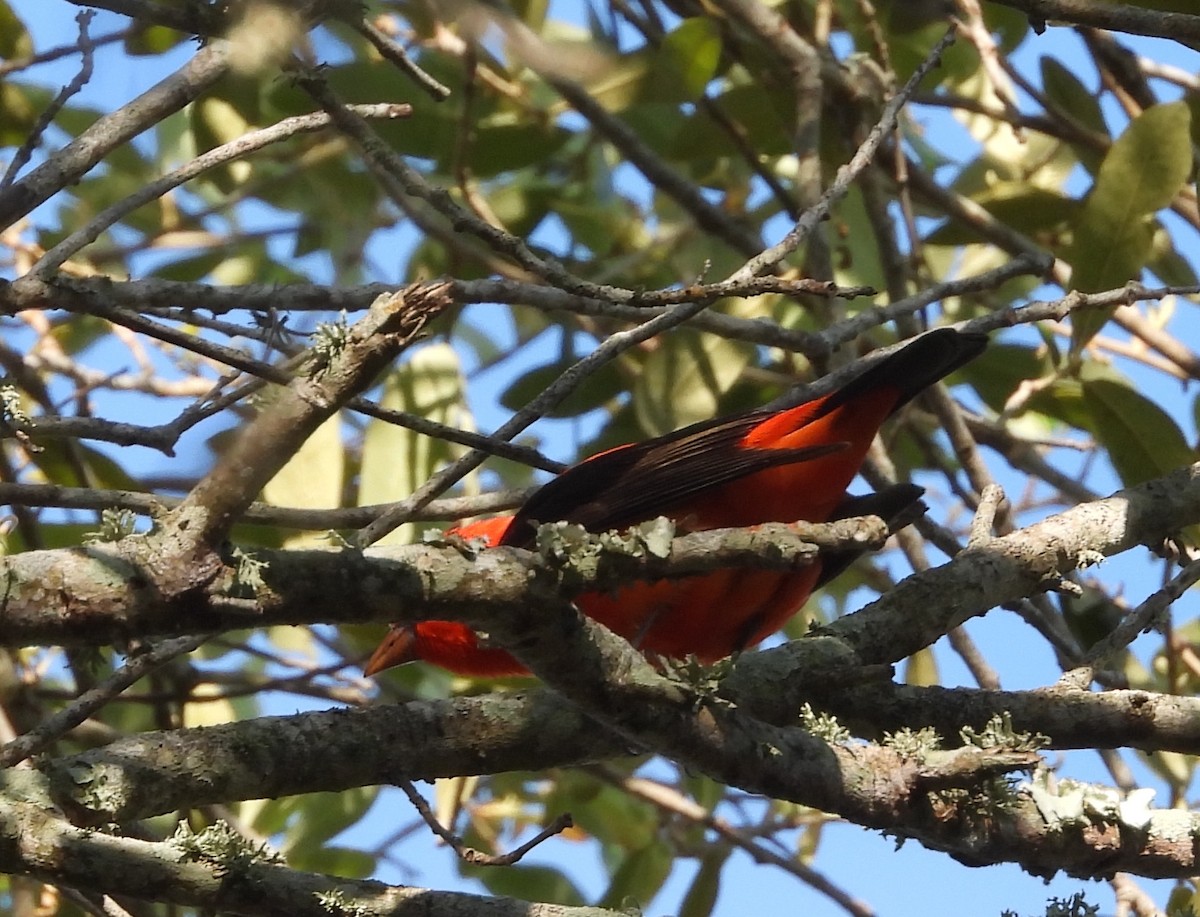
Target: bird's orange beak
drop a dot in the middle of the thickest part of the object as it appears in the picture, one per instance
(397, 648)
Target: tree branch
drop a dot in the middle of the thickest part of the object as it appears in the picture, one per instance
(100, 594)
(73, 161)
(199, 871)
(1118, 17)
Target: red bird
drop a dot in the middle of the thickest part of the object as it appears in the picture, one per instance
(736, 471)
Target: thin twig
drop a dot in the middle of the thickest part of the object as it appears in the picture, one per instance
(672, 801)
(69, 293)
(393, 51)
(470, 854)
(991, 498)
(17, 64)
(89, 702)
(846, 174)
(190, 20)
(1144, 616)
(86, 66)
(317, 520)
(225, 153)
(1103, 14)
(109, 132)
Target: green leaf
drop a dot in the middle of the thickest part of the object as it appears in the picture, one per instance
(639, 877)
(685, 62)
(612, 817)
(19, 109)
(322, 816)
(1166, 263)
(998, 371)
(209, 708)
(333, 860)
(523, 203)
(191, 268)
(601, 387)
(1143, 442)
(501, 145)
(1075, 102)
(620, 83)
(150, 40)
(921, 668)
(683, 379)
(396, 460)
(1063, 399)
(312, 478)
(701, 895)
(856, 251)
(1091, 616)
(270, 816)
(75, 333)
(662, 127)
(532, 12)
(14, 38)
(1114, 232)
(704, 790)
(221, 117)
(1175, 769)
(531, 883)
(61, 461)
(1019, 204)
(760, 112)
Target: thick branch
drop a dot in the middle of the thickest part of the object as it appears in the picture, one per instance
(608, 679)
(98, 594)
(263, 447)
(1118, 17)
(35, 841)
(155, 772)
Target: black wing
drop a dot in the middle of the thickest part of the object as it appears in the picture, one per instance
(625, 485)
(630, 483)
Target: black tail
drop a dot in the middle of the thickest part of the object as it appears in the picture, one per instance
(916, 366)
(897, 505)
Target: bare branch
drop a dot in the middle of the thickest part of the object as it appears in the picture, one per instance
(470, 854)
(1120, 17)
(86, 48)
(71, 163)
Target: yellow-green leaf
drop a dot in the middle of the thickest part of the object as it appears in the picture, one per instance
(683, 380)
(685, 63)
(1143, 442)
(312, 478)
(701, 895)
(324, 815)
(19, 107)
(639, 877)
(335, 860)
(532, 883)
(395, 460)
(921, 669)
(1114, 232)
(601, 387)
(149, 40)
(1018, 204)
(14, 39)
(1076, 102)
(213, 710)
